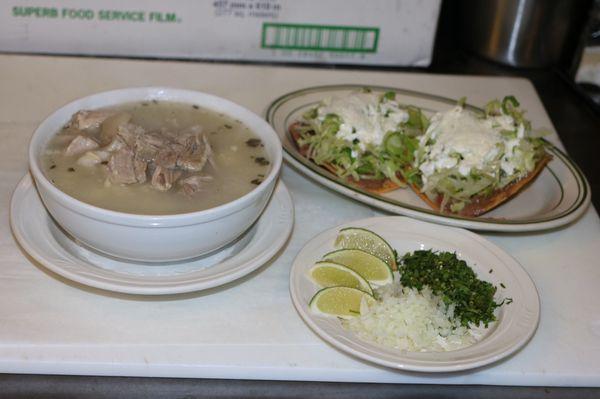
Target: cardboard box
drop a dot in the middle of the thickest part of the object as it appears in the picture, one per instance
(377, 32)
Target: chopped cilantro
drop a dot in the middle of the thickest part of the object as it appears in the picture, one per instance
(454, 281)
(261, 161)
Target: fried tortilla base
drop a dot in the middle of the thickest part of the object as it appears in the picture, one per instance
(481, 204)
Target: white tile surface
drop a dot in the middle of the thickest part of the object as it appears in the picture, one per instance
(249, 329)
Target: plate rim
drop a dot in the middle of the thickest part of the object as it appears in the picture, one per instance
(280, 193)
(420, 365)
(579, 206)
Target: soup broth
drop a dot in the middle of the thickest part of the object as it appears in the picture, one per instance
(217, 159)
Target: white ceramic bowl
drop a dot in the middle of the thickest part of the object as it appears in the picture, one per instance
(154, 238)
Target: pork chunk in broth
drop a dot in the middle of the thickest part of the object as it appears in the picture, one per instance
(155, 158)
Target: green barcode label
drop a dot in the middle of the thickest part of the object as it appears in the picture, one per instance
(352, 39)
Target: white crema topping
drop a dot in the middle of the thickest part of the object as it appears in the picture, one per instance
(364, 117)
(467, 142)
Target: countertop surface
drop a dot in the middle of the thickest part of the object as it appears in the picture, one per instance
(50, 326)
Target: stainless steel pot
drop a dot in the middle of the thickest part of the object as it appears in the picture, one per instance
(521, 33)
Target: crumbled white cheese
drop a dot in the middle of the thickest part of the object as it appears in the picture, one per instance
(461, 139)
(364, 117)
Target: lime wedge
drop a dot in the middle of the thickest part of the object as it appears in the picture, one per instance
(343, 302)
(329, 274)
(372, 268)
(366, 240)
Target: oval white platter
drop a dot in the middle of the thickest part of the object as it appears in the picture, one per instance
(516, 322)
(41, 237)
(558, 196)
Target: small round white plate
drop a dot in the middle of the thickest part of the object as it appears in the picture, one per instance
(516, 322)
(558, 196)
(41, 237)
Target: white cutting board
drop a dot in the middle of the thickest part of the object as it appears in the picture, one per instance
(249, 329)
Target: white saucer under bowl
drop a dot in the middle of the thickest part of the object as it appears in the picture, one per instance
(47, 243)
